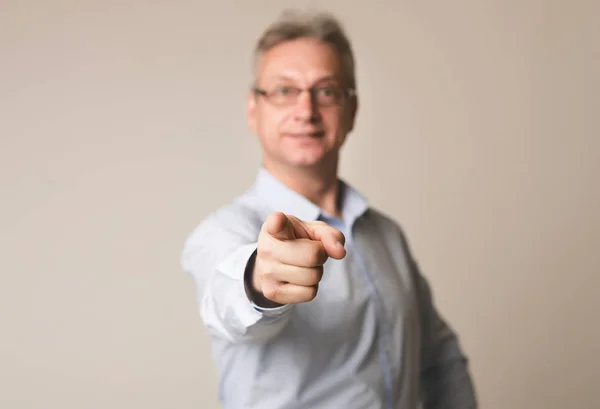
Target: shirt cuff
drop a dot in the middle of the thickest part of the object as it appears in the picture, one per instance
(272, 312)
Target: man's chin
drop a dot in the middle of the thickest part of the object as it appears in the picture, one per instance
(307, 160)
(311, 160)
(309, 163)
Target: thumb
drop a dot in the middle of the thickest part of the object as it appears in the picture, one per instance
(279, 226)
(333, 240)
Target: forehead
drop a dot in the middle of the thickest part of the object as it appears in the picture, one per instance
(304, 60)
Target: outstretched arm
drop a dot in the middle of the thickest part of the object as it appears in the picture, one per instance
(217, 255)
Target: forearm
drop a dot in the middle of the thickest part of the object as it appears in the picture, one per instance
(232, 316)
(225, 307)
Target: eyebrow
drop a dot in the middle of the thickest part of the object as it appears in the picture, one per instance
(326, 78)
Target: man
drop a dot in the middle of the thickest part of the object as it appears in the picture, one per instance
(311, 297)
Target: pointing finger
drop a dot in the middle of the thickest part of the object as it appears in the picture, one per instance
(279, 226)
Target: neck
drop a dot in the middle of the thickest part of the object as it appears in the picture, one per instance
(318, 184)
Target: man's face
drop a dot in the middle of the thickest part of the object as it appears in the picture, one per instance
(304, 130)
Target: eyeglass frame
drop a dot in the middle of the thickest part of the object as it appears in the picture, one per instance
(345, 92)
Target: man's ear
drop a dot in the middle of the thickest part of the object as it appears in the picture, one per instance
(251, 111)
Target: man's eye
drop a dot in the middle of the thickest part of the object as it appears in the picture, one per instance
(284, 91)
(327, 92)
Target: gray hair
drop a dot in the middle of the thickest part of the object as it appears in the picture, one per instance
(293, 25)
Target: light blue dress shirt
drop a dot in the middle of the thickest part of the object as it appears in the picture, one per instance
(371, 339)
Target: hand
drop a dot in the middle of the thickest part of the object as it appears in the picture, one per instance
(290, 257)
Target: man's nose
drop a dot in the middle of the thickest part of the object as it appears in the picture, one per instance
(306, 106)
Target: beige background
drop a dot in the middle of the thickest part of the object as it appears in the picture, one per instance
(122, 126)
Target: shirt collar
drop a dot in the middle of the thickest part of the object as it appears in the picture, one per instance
(281, 198)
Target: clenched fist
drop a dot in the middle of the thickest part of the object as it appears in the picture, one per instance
(290, 257)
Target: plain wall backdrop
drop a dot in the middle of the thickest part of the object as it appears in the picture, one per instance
(122, 125)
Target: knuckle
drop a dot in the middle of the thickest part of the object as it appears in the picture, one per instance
(266, 270)
(316, 255)
(311, 293)
(265, 249)
(315, 275)
(264, 273)
(270, 293)
(312, 257)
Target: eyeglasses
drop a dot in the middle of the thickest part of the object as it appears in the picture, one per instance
(286, 95)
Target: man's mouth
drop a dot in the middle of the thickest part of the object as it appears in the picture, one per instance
(316, 134)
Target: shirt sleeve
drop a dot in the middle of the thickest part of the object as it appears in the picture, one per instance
(216, 258)
(445, 378)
